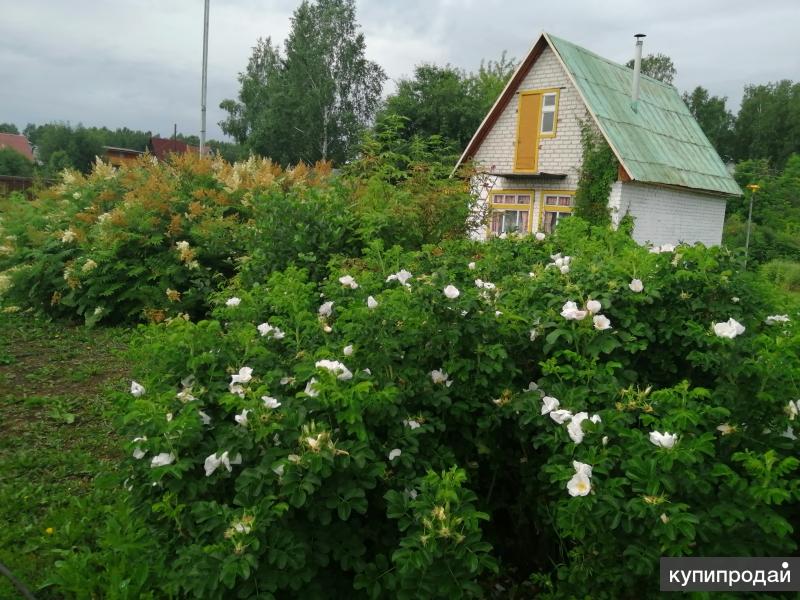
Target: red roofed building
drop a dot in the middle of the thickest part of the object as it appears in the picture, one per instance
(161, 148)
(19, 143)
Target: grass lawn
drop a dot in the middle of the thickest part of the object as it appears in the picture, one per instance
(55, 438)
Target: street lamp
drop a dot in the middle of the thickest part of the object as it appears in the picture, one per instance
(204, 83)
(753, 189)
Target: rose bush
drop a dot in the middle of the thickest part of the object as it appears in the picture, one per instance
(489, 423)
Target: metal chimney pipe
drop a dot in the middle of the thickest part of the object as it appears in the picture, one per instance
(637, 68)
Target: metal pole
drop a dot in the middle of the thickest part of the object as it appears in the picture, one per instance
(204, 84)
(753, 188)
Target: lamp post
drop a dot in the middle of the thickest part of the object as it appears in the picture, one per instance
(753, 189)
(204, 83)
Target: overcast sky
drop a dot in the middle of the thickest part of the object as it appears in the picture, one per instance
(136, 63)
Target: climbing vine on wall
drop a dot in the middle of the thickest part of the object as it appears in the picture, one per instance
(598, 172)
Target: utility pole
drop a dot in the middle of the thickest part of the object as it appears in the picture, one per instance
(204, 84)
(753, 189)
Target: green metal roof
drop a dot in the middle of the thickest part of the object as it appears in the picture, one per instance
(661, 142)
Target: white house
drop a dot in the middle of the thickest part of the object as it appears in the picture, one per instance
(528, 149)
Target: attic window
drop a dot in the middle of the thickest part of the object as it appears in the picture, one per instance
(549, 113)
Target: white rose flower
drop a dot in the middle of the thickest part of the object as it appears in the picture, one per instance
(204, 417)
(244, 375)
(335, 367)
(575, 429)
(233, 301)
(162, 460)
(728, 329)
(451, 292)
(348, 281)
(348, 350)
(570, 312)
(372, 303)
(601, 322)
(241, 418)
(471, 266)
(213, 462)
(311, 389)
(395, 453)
(560, 416)
(594, 307)
(539, 236)
(440, 376)
(549, 404)
(581, 482)
(266, 329)
(137, 389)
(411, 424)
(636, 285)
(663, 440)
(270, 402)
(326, 309)
(402, 276)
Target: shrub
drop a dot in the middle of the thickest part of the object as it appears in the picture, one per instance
(407, 446)
(154, 240)
(138, 243)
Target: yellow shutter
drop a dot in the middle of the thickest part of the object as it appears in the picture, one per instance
(528, 132)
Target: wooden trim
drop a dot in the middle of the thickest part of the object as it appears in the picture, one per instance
(622, 174)
(564, 209)
(552, 134)
(504, 207)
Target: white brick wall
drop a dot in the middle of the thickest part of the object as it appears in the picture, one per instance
(666, 216)
(561, 154)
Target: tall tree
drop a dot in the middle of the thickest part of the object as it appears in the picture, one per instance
(447, 101)
(714, 119)
(768, 124)
(313, 101)
(13, 163)
(658, 66)
(8, 128)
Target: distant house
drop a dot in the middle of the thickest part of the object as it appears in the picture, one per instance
(121, 156)
(18, 143)
(528, 149)
(161, 148)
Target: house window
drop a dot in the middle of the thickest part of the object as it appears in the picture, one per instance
(549, 113)
(510, 212)
(510, 221)
(557, 206)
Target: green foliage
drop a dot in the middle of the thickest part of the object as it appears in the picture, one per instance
(140, 243)
(9, 128)
(714, 119)
(314, 101)
(775, 232)
(768, 123)
(783, 274)
(377, 476)
(658, 66)
(599, 168)
(446, 101)
(61, 146)
(15, 164)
